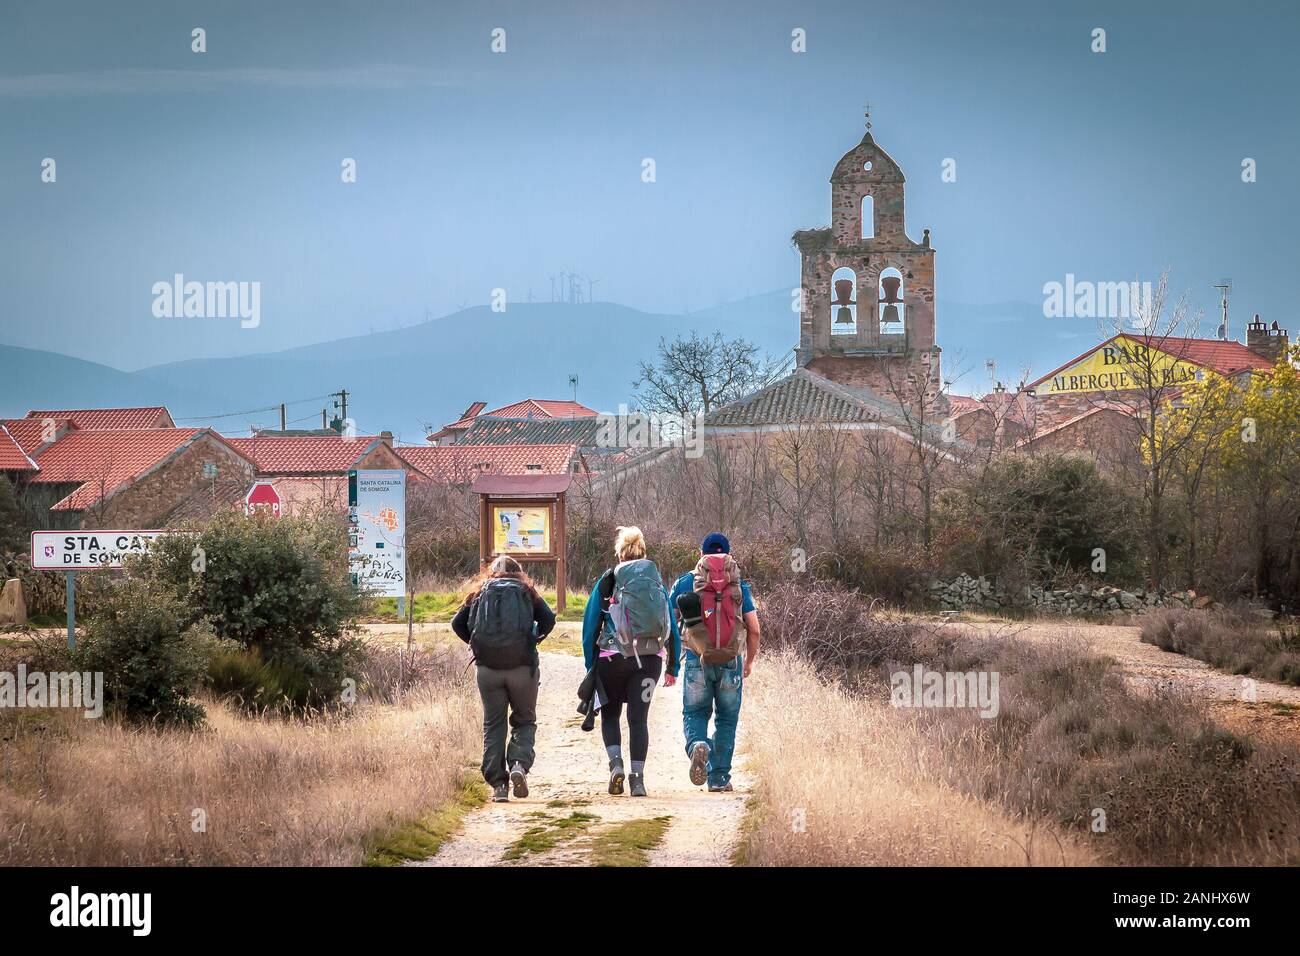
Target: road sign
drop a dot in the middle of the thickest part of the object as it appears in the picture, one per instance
(262, 497)
(72, 551)
(87, 550)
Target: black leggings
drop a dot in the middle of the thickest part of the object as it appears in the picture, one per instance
(625, 683)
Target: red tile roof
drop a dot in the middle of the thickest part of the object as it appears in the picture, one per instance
(961, 404)
(32, 434)
(99, 419)
(1222, 356)
(305, 454)
(12, 456)
(462, 463)
(104, 462)
(991, 403)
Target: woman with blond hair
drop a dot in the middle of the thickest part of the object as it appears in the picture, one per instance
(503, 619)
(627, 633)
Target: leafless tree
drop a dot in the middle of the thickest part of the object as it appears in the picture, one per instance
(700, 373)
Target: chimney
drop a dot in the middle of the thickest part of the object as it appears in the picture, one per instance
(1266, 342)
(386, 438)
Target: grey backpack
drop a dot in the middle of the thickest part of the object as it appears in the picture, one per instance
(639, 609)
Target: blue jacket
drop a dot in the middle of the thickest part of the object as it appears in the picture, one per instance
(686, 583)
(595, 619)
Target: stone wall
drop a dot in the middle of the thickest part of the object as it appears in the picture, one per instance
(966, 593)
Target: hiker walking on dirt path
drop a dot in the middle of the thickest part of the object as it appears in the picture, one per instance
(628, 638)
(715, 612)
(503, 619)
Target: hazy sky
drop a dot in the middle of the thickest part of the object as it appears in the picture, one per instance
(478, 170)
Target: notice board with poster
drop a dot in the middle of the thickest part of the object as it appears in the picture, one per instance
(522, 528)
(523, 516)
(377, 531)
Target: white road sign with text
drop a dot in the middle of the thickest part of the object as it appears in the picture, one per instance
(87, 550)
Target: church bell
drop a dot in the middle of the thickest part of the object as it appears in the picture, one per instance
(890, 300)
(843, 301)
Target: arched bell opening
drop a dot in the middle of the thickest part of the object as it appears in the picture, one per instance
(893, 318)
(844, 302)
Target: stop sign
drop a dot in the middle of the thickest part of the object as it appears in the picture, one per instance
(262, 497)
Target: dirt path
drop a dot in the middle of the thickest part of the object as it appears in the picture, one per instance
(1145, 664)
(569, 780)
(1260, 709)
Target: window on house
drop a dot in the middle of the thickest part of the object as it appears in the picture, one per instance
(892, 306)
(868, 218)
(844, 302)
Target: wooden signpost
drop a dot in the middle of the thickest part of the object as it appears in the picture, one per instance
(523, 516)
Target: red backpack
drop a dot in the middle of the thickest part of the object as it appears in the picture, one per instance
(719, 639)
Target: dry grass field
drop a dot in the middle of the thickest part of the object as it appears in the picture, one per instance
(266, 790)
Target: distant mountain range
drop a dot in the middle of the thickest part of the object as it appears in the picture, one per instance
(428, 373)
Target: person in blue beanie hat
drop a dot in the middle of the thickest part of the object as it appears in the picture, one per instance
(714, 602)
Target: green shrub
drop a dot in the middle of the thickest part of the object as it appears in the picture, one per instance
(242, 676)
(280, 588)
(152, 657)
(894, 575)
(1034, 520)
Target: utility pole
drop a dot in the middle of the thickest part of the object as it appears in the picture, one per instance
(282, 422)
(324, 418)
(341, 404)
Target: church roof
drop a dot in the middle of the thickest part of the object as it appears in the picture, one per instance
(805, 397)
(883, 169)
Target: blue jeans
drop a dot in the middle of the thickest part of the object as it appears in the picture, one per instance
(712, 690)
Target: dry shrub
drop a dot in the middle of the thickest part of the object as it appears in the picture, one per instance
(896, 575)
(389, 672)
(1070, 738)
(834, 628)
(294, 792)
(868, 786)
(1228, 641)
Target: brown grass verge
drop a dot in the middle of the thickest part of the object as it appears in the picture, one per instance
(266, 791)
(846, 781)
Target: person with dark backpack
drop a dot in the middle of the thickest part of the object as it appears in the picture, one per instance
(503, 619)
(716, 613)
(627, 638)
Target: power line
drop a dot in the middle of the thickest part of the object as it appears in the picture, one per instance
(251, 411)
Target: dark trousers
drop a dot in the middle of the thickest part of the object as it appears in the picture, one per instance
(512, 691)
(626, 682)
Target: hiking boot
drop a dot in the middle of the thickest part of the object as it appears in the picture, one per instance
(519, 780)
(636, 784)
(699, 763)
(616, 776)
(501, 793)
(721, 787)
